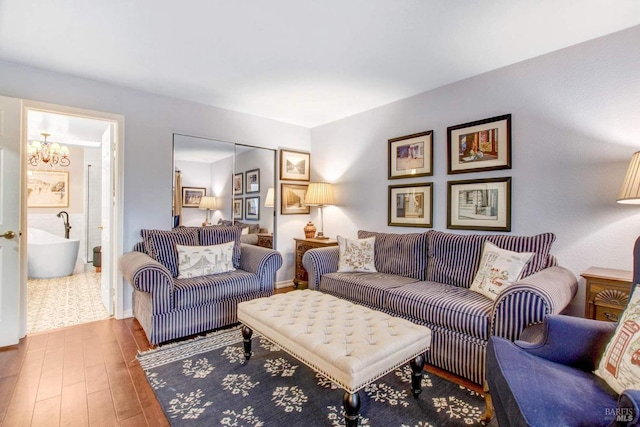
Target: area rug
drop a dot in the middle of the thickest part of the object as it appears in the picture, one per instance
(207, 382)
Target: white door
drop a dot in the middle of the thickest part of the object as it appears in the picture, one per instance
(107, 220)
(10, 110)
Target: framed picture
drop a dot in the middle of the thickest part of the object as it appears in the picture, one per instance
(294, 165)
(238, 183)
(237, 208)
(292, 196)
(411, 155)
(481, 204)
(252, 181)
(48, 189)
(410, 205)
(480, 146)
(191, 196)
(252, 208)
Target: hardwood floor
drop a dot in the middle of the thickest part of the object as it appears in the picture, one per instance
(88, 375)
(78, 376)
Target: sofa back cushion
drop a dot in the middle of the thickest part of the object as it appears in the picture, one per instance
(161, 245)
(454, 258)
(221, 234)
(400, 254)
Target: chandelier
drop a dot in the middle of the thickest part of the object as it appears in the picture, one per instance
(48, 153)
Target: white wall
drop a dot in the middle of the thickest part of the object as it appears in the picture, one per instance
(150, 121)
(575, 124)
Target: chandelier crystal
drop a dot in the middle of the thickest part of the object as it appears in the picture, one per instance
(48, 153)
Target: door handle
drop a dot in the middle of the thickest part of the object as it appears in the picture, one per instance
(8, 235)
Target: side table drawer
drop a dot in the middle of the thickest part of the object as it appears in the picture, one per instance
(606, 293)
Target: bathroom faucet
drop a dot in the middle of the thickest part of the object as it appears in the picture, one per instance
(67, 227)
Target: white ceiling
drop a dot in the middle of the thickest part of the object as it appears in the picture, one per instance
(306, 62)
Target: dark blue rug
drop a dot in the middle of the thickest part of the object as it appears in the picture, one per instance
(207, 382)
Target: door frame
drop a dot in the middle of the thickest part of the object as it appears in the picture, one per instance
(117, 213)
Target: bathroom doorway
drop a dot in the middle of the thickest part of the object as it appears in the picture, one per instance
(70, 161)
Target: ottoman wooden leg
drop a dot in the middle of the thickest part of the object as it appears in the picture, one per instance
(417, 365)
(246, 341)
(351, 403)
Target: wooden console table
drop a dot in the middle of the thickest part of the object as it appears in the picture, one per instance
(265, 240)
(302, 246)
(606, 293)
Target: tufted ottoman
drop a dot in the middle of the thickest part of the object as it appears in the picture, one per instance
(350, 344)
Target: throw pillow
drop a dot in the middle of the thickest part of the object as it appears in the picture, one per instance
(400, 254)
(356, 254)
(221, 234)
(498, 269)
(161, 245)
(196, 261)
(620, 364)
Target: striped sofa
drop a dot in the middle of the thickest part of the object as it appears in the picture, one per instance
(168, 307)
(425, 278)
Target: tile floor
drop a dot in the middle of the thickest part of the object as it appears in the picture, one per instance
(64, 301)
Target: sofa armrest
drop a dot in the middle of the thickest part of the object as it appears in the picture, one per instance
(628, 412)
(530, 299)
(261, 261)
(571, 341)
(320, 261)
(147, 275)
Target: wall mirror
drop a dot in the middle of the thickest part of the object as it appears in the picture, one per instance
(221, 182)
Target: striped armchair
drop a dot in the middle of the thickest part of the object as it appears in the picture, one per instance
(169, 307)
(425, 278)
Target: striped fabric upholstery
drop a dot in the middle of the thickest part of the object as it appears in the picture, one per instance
(401, 254)
(454, 258)
(201, 290)
(362, 288)
(528, 300)
(217, 235)
(148, 275)
(319, 262)
(458, 309)
(161, 245)
(261, 261)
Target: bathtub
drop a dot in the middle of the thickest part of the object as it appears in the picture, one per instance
(49, 255)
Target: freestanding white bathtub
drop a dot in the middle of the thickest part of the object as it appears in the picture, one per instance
(49, 255)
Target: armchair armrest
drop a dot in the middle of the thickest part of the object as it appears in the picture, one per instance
(530, 299)
(571, 341)
(320, 261)
(147, 275)
(261, 261)
(628, 412)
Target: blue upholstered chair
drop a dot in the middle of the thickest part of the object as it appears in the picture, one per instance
(546, 378)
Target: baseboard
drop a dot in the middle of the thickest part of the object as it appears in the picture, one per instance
(127, 313)
(284, 284)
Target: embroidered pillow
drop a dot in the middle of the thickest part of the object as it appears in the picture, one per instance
(620, 364)
(196, 261)
(161, 245)
(356, 254)
(221, 234)
(498, 269)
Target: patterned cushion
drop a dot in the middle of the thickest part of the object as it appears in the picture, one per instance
(356, 254)
(161, 245)
(619, 366)
(362, 288)
(454, 258)
(196, 261)
(453, 308)
(401, 254)
(499, 268)
(216, 235)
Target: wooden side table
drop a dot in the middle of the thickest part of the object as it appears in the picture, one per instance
(302, 246)
(265, 240)
(606, 293)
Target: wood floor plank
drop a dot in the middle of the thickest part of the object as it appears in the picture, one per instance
(20, 409)
(46, 412)
(150, 406)
(74, 410)
(92, 351)
(96, 378)
(11, 358)
(56, 340)
(73, 365)
(51, 378)
(7, 384)
(125, 398)
(101, 410)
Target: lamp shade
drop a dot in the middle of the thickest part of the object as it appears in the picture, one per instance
(208, 202)
(269, 200)
(630, 190)
(319, 194)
